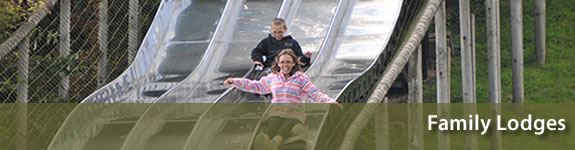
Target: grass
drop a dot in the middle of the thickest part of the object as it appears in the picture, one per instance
(553, 82)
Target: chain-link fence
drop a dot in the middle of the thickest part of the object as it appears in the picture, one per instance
(71, 58)
(76, 47)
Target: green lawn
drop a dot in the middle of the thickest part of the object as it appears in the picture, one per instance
(552, 82)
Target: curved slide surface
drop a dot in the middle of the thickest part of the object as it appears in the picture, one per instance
(183, 60)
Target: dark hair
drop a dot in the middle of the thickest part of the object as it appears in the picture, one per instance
(287, 51)
(279, 21)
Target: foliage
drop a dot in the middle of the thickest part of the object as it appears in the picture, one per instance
(552, 82)
(13, 14)
(81, 66)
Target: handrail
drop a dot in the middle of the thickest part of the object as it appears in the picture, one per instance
(39, 14)
(397, 64)
(399, 61)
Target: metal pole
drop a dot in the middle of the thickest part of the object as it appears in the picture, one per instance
(133, 30)
(517, 50)
(443, 63)
(103, 41)
(540, 30)
(64, 49)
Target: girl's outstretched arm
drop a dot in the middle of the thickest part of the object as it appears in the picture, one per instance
(261, 86)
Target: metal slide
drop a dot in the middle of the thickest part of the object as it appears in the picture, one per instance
(173, 47)
(358, 33)
(308, 25)
(346, 37)
(204, 85)
(228, 56)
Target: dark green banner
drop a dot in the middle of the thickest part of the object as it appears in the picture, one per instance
(286, 126)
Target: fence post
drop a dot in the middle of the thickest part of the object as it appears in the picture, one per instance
(517, 49)
(494, 65)
(540, 30)
(473, 58)
(103, 41)
(133, 30)
(415, 97)
(443, 57)
(467, 68)
(415, 77)
(22, 108)
(443, 63)
(466, 52)
(382, 126)
(23, 69)
(493, 48)
(64, 49)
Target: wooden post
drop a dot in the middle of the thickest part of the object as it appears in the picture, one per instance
(103, 42)
(494, 66)
(540, 30)
(382, 126)
(517, 50)
(415, 98)
(473, 51)
(133, 30)
(415, 123)
(425, 53)
(22, 90)
(415, 77)
(23, 69)
(493, 48)
(467, 69)
(64, 49)
(466, 52)
(443, 63)
(443, 58)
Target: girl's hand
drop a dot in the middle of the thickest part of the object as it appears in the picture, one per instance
(229, 81)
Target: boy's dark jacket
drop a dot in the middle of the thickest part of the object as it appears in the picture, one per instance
(270, 47)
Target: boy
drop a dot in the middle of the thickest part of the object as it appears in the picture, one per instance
(275, 42)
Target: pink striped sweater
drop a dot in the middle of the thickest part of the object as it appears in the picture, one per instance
(285, 91)
(291, 90)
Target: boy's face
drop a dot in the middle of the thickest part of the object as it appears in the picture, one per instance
(278, 31)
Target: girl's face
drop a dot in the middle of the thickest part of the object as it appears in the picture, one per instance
(286, 64)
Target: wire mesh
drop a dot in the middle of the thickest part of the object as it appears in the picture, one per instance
(81, 65)
(20, 121)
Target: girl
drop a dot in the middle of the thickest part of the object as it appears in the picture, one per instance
(288, 84)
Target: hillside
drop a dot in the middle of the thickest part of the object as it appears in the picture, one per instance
(552, 82)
